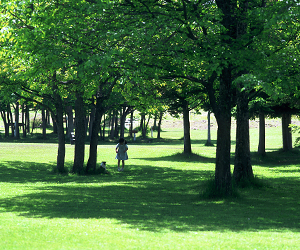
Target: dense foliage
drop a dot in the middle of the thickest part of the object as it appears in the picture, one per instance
(155, 55)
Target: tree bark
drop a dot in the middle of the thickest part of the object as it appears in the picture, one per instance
(91, 121)
(262, 134)
(48, 117)
(223, 116)
(122, 122)
(6, 127)
(222, 170)
(131, 123)
(60, 163)
(79, 134)
(230, 21)
(99, 112)
(286, 131)
(159, 124)
(44, 123)
(102, 131)
(10, 120)
(54, 123)
(186, 130)
(112, 131)
(33, 123)
(242, 163)
(24, 120)
(17, 128)
(69, 111)
(126, 111)
(92, 161)
(116, 131)
(208, 142)
(143, 125)
(155, 120)
(27, 119)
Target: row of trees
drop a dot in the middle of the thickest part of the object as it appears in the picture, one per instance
(152, 55)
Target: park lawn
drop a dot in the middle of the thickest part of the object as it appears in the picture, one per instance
(154, 204)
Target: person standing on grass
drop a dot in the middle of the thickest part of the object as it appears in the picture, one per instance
(121, 150)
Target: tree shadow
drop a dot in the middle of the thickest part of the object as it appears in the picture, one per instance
(276, 158)
(155, 141)
(181, 157)
(151, 198)
(31, 172)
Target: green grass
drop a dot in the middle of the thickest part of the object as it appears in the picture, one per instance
(154, 204)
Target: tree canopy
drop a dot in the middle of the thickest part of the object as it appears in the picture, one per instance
(70, 49)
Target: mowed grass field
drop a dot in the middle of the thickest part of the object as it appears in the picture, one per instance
(154, 204)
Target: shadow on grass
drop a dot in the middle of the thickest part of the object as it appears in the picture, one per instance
(277, 158)
(31, 172)
(181, 157)
(154, 141)
(31, 138)
(149, 198)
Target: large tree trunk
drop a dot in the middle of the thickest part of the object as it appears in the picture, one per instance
(80, 133)
(60, 165)
(222, 170)
(234, 26)
(286, 131)
(91, 121)
(99, 112)
(242, 163)
(186, 130)
(94, 138)
(262, 134)
(223, 116)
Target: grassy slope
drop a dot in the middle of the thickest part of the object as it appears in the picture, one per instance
(154, 204)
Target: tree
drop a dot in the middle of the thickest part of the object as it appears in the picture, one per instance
(285, 109)
(181, 97)
(57, 37)
(211, 43)
(280, 79)
(259, 107)
(189, 53)
(103, 93)
(242, 164)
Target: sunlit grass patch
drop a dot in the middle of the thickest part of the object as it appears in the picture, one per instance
(154, 204)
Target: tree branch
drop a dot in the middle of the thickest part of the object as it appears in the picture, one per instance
(33, 100)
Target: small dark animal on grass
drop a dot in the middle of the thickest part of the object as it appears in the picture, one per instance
(102, 168)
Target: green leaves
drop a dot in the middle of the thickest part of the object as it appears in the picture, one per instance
(85, 40)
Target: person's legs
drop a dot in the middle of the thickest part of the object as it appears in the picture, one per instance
(123, 164)
(119, 165)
